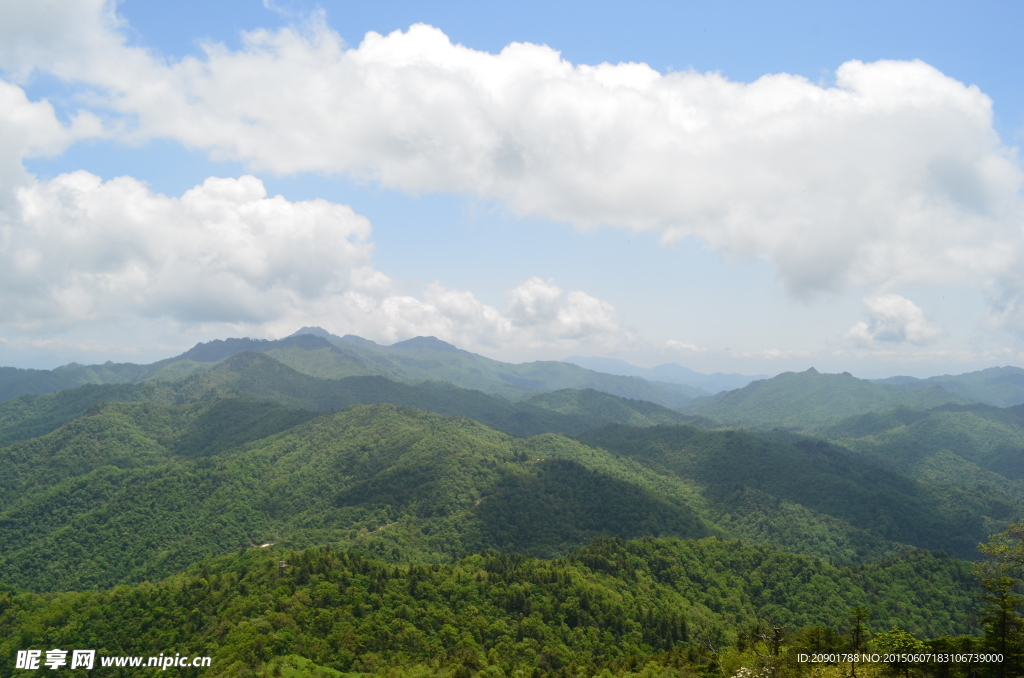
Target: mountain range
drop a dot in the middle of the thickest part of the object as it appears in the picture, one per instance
(317, 353)
(392, 478)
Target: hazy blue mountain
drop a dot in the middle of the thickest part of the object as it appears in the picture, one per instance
(1000, 386)
(317, 353)
(669, 372)
(802, 400)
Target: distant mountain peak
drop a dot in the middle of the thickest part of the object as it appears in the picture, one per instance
(315, 331)
(427, 343)
(812, 371)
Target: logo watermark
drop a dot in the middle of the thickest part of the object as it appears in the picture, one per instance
(35, 660)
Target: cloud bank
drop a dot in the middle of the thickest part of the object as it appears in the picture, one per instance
(891, 175)
(894, 174)
(80, 251)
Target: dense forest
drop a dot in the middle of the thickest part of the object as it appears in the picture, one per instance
(232, 503)
(612, 605)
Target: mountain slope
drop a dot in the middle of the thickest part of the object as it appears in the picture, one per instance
(137, 490)
(801, 400)
(126, 495)
(999, 386)
(309, 352)
(263, 377)
(820, 477)
(656, 604)
(958, 445)
(428, 358)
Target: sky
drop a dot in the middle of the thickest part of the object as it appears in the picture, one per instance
(730, 186)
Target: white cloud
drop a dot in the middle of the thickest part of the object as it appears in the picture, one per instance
(31, 129)
(87, 250)
(682, 347)
(895, 174)
(79, 252)
(567, 315)
(893, 319)
(892, 175)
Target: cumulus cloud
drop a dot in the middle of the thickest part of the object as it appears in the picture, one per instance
(87, 250)
(31, 129)
(893, 174)
(569, 320)
(79, 251)
(567, 315)
(683, 347)
(893, 319)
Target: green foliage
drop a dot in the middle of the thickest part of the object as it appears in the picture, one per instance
(30, 416)
(799, 401)
(955, 444)
(611, 605)
(897, 642)
(1002, 576)
(1000, 386)
(139, 490)
(605, 408)
(415, 360)
(260, 376)
(811, 473)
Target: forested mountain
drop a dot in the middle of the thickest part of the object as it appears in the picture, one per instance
(999, 386)
(262, 377)
(612, 605)
(316, 353)
(821, 478)
(399, 508)
(137, 490)
(955, 444)
(801, 400)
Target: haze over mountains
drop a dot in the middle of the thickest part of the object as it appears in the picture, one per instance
(669, 372)
(318, 353)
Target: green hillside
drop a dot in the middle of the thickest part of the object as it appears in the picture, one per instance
(822, 478)
(611, 605)
(607, 408)
(133, 491)
(975, 445)
(138, 490)
(262, 377)
(414, 360)
(400, 527)
(801, 400)
(999, 386)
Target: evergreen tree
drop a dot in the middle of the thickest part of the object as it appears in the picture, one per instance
(858, 634)
(899, 643)
(1001, 575)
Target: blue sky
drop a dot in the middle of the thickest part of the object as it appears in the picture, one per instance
(744, 202)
